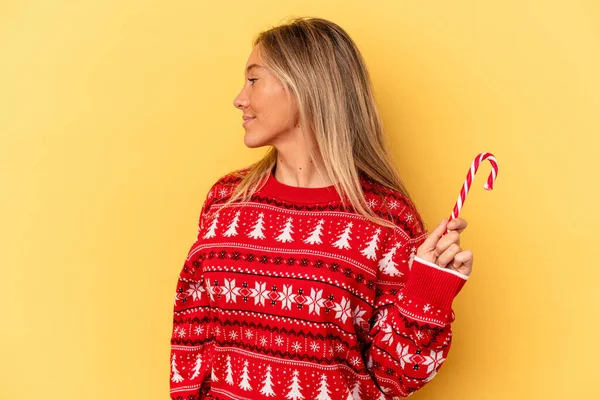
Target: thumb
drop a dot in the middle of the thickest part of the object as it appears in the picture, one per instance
(435, 235)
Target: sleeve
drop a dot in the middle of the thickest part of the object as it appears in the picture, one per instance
(410, 329)
(191, 340)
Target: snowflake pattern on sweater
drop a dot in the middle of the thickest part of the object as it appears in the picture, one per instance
(291, 296)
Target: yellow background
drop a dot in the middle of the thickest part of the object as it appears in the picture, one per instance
(116, 116)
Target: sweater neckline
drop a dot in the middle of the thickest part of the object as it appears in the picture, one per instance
(299, 194)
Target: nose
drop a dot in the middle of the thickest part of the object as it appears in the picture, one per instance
(241, 100)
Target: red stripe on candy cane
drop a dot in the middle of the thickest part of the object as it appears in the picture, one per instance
(489, 185)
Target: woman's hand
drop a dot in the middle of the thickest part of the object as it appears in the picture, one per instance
(444, 250)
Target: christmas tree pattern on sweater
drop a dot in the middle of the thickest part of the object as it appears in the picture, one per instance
(291, 296)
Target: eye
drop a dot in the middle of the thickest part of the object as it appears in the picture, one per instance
(252, 80)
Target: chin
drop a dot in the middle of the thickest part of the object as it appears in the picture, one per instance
(254, 140)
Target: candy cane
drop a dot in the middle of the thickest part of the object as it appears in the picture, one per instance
(489, 185)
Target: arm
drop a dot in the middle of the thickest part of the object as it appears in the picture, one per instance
(411, 332)
(190, 339)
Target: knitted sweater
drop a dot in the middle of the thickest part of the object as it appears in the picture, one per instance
(291, 296)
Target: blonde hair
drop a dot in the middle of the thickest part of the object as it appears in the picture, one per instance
(320, 65)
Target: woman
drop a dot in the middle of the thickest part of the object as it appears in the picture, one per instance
(312, 275)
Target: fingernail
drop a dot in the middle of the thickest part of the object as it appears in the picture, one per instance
(441, 222)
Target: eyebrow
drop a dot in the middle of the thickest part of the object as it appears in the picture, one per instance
(252, 66)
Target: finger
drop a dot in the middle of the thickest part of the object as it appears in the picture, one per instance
(448, 256)
(465, 257)
(457, 224)
(445, 242)
(434, 236)
(463, 262)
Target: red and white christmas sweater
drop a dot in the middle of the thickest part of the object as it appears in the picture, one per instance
(291, 296)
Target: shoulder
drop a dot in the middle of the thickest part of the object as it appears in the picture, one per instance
(223, 187)
(395, 207)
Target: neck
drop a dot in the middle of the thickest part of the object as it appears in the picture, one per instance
(299, 170)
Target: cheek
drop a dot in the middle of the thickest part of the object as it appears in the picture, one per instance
(277, 110)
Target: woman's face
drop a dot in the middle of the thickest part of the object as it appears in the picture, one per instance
(264, 99)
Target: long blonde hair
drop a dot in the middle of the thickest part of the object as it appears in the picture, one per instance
(320, 65)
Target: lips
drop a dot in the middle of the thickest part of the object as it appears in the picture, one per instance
(247, 120)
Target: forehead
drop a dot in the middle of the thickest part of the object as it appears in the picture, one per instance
(254, 62)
